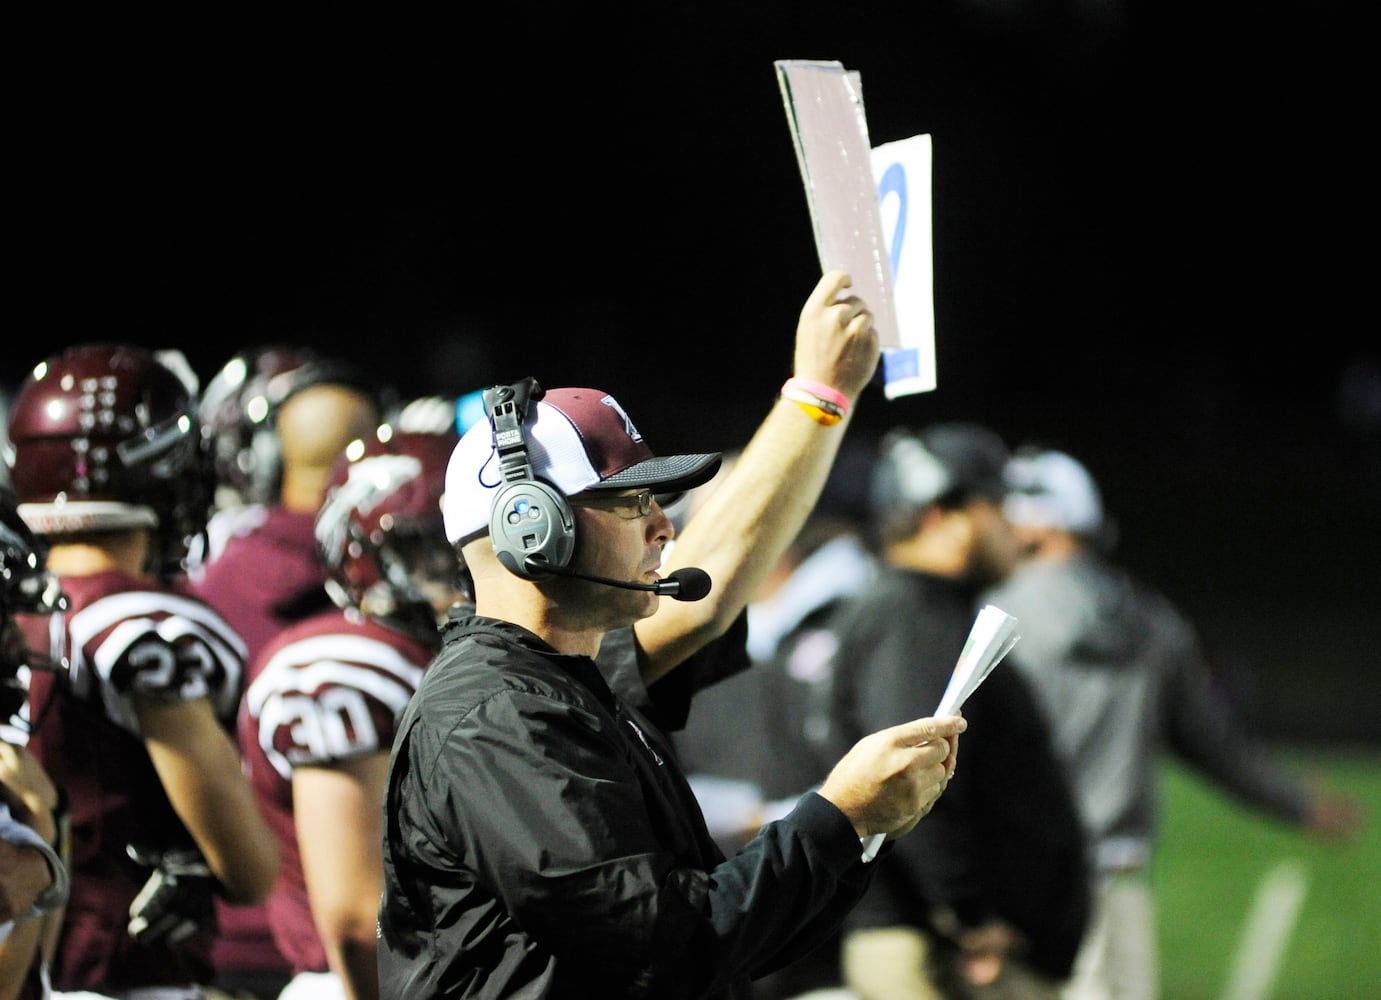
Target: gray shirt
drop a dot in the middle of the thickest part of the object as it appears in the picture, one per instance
(1122, 676)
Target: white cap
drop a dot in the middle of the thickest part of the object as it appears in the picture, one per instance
(1049, 489)
(577, 440)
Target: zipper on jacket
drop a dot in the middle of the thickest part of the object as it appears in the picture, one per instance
(643, 739)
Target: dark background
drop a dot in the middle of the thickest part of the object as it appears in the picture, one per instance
(1155, 240)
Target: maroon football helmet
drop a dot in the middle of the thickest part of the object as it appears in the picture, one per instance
(240, 405)
(104, 437)
(380, 529)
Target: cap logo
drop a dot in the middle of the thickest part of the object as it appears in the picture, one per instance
(613, 404)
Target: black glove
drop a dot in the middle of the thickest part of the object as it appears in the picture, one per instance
(176, 901)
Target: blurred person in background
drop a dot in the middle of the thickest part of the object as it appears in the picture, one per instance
(989, 899)
(275, 422)
(320, 715)
(1122, 676)
(275, 419)
(741, 744)
(135, 723)
(33, 875)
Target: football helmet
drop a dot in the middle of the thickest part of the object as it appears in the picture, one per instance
(104, 437)
(380, 528)
(238, 411)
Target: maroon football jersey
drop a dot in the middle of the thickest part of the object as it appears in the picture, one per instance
(329, 689)
(120, 636)
(262, 571)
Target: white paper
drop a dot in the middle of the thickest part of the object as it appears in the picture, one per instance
(870, 210)
(824, 107)
(992, 637)
(902, 173)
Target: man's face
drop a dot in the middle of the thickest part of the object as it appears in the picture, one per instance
(1029, 539)
(618, 542)
(996, 547)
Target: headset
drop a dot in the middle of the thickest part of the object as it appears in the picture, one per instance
(531, 524)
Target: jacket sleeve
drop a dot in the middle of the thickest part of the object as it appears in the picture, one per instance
(667, 702)
(582, 862)
(1206, 733)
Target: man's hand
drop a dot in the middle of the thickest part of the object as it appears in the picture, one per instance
(890, 779)
(1336, 817)
(26, 788)
(176, 901)
(836, 343)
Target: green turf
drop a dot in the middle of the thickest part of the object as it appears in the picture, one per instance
(1211, 859)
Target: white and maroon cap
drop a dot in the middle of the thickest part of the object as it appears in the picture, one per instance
(577, 440)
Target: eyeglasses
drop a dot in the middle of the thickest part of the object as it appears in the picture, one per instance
(626, 506)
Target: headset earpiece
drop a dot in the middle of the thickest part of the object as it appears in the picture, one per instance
(529, 519)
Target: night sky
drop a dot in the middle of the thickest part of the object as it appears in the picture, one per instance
(1155, 243)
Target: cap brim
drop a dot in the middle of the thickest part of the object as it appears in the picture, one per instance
(670, 474)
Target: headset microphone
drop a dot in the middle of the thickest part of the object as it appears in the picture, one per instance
(687, 584)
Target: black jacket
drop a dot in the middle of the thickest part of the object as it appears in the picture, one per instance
(541, 841)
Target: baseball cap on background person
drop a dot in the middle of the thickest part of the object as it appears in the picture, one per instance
(578, 440)
(1052, 489)
(947, 463)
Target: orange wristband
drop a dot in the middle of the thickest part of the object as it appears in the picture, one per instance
(822, 404)
(820, 391)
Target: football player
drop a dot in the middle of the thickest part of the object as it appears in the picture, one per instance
(274, 421)
(319, 716)
(136, 725)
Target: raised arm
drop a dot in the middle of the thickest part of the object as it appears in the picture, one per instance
(750, 518)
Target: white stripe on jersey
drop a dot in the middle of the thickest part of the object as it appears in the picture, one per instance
(136, 614)
(349, 660)
(106, 611)
(313, 686)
